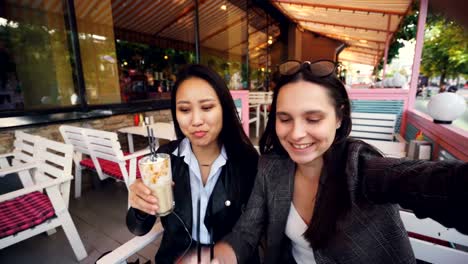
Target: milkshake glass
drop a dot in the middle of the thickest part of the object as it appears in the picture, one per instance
(156, 174)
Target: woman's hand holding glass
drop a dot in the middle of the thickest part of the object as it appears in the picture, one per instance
(142, 199)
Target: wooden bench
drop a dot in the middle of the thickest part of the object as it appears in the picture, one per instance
(378, 130)
(373, 126)
(430, 251)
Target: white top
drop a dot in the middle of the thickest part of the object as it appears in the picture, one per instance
(295, 228)
(197, 188)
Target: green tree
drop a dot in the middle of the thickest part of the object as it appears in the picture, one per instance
(445, 49)
(407, 31)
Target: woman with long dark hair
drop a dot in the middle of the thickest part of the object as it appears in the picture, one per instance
(323, 197)
(213, 166)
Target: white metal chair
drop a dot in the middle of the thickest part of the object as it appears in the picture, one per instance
(254, 98)
(105, 155)
(265, 105)
(43, 205)
(431, 252)
(256, 101)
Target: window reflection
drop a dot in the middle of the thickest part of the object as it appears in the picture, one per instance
(35, 69)
(130, 51)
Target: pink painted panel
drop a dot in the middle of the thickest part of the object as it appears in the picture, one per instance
(453, 139)
(243, 95)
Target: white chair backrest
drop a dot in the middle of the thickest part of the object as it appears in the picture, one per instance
(103, 144)
(269, 97)
(74, 136)
(257, 97)
(373, 126)
(24, 147)
(431, 252)
(55, 158)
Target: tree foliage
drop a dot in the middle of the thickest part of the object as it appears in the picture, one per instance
(445, 51)
(407, 31)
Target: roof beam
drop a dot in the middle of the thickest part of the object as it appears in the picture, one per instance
(327, 6)
(184, 12)
(354, 61)
(362, 52)
(251, 33)
(340, 37)
(365, 48)
(342, 25)
(238, 21)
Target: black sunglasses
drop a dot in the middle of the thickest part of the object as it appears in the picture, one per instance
(319, 68)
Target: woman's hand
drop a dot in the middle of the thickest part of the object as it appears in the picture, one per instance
(141, 198)
(223, 254)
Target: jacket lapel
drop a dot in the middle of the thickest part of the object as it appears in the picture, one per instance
(283, 188)
(218, 198)
(182, 191)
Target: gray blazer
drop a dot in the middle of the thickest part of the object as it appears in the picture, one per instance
(371, 232)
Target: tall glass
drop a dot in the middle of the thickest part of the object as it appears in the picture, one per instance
(156, 173)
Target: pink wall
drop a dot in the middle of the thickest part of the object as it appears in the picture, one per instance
(244, 96)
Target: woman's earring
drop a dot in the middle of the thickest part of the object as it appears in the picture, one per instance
(338, 125)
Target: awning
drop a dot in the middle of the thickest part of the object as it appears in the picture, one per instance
(364, 25)
(223, 29)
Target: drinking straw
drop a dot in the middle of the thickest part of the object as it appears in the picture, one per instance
(198, 231)
(151, 142)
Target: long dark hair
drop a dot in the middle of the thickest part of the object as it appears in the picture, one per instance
(333, 195)
(232, 136)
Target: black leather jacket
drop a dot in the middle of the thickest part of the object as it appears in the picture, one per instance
(234, 185)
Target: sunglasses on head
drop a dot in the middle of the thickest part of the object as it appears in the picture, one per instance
(319, 68)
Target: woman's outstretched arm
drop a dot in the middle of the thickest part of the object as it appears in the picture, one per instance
(435, 189)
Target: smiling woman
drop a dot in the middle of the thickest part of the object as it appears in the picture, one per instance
(213, 167)
(321, 196)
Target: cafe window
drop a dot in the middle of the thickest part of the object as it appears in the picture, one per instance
(131, 50)
(223, 40)
(236, 40)
(266, 52)
(35, 68)
(66, 55)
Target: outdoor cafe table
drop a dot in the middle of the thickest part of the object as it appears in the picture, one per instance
(161, 130)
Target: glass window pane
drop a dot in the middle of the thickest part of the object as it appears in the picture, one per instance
(97, 47)
(153, 40)
(266, 51)
(223, 40)
(131, 50)
(35, 69)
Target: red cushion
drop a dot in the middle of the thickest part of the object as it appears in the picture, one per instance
(429, 239)
(268, 107)
(109, 167)
(24, 212)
